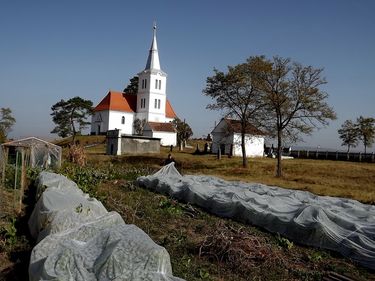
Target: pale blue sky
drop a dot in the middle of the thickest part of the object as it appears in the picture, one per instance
(52, 50)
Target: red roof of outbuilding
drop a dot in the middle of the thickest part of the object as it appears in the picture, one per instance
(235, 126)
(162, 127)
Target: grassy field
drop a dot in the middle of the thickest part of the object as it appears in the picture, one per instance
(322, 177)
(202, 246)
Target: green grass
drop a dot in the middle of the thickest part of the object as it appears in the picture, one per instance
(202, 246)
(322, 177)
(205, 247)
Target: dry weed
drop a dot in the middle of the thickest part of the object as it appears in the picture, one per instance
(77, 155)
(238, 248)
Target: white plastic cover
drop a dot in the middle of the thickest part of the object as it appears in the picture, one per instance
(80, 240)
(338, 224)
(43, 154)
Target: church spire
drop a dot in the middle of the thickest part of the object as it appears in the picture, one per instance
(153, 56)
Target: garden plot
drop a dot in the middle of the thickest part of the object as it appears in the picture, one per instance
(338, 224)
(80, 240)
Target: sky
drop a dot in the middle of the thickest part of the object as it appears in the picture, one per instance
(53, 50)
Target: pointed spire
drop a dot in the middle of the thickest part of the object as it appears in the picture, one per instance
(153, 56)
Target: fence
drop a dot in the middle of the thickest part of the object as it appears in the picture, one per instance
(13, 173)
(333, 155)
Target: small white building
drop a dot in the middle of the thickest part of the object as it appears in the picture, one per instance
(165, 131)
(226, 136)
(119, 110)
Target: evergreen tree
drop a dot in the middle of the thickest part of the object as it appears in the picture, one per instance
(132, 88)
(6, 123)
(70, 116)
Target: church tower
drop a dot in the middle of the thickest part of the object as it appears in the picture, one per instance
(151, 96)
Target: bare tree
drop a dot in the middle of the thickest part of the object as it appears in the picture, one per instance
(184, 132)
(236, 95)
(348, 133)
(366, 129)
(139, 125)
(294, 100)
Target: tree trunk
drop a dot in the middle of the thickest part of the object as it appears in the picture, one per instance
(243, 147)
(279, 171)
(73, 128)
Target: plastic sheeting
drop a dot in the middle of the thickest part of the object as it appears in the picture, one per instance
(43, 154)
(338, 224)
(80, 240)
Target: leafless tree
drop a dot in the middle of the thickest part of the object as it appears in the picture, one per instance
(295, 102)
(236, 95)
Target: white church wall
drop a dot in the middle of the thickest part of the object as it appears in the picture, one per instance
(156, 107)
(99, 122)
(115, 121)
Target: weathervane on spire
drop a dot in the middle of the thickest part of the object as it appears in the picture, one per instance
(154, 25)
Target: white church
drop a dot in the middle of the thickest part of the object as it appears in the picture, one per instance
(119, 110)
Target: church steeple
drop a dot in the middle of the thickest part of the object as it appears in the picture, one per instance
(153, 56)
(152, 85)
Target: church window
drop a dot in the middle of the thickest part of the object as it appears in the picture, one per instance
(143, 103)
(156, 83)
(159, 84)
(123, 120)
(144, 83)
(158, 104)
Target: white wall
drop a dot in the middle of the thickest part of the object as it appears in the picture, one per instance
(152, 92)
(167, 138)
(115, 121)
(219, 138)
(254, 145)
(95, 123)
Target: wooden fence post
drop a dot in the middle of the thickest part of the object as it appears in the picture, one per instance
(5, 162)
(23, 178)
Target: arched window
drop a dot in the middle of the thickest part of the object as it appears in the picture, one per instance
(123, 120)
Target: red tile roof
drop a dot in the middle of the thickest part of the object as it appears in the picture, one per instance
(128, 103)
(169, 112)
(235, 126)
(162, 127)
(118, 101)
